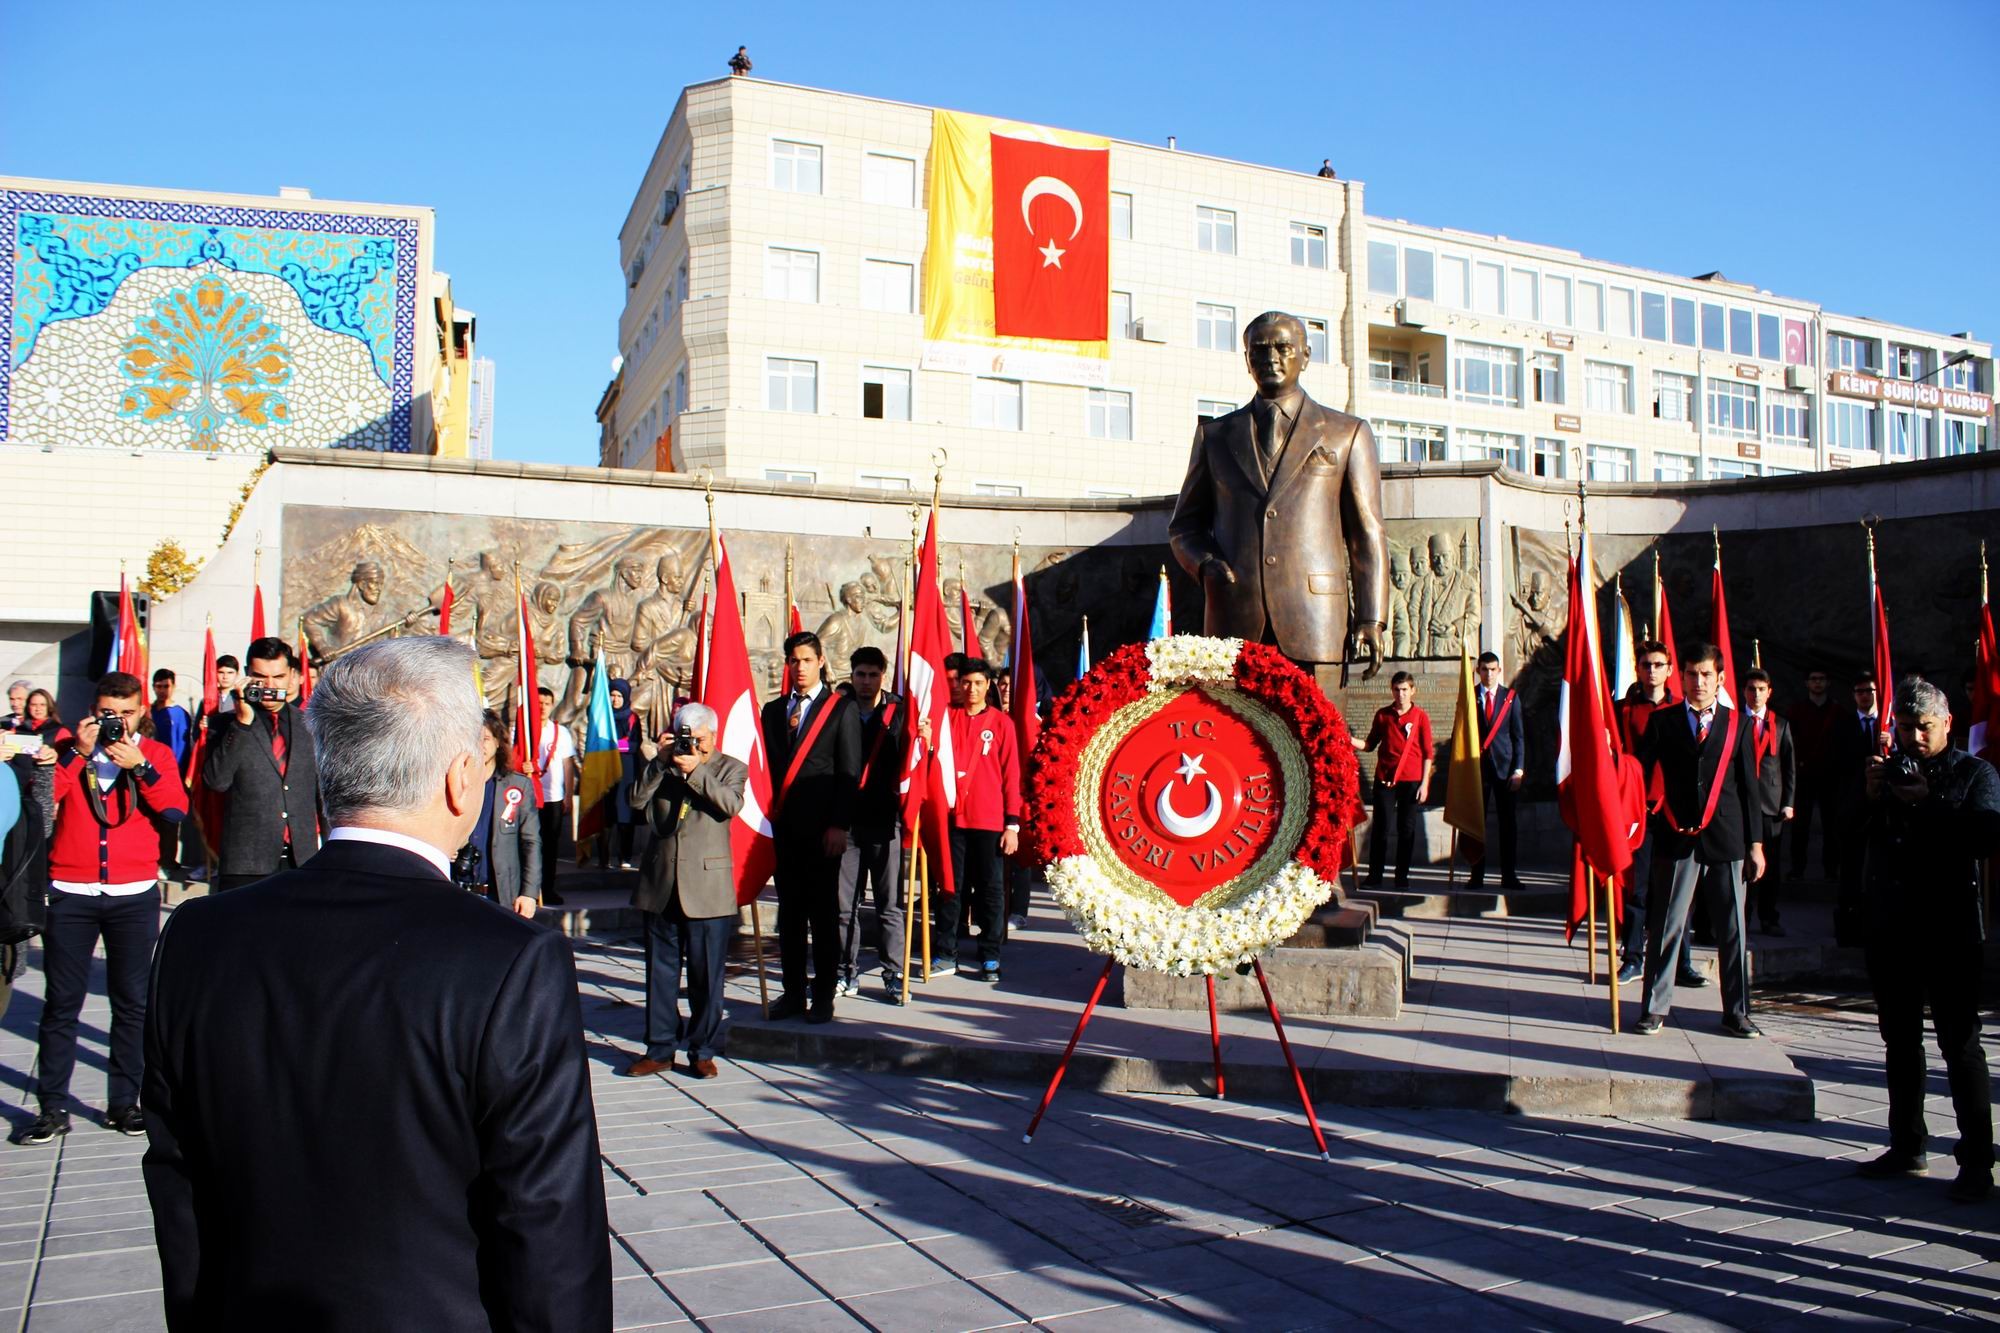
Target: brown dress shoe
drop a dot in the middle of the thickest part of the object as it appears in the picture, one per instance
(645, 1065)
(702, 1069)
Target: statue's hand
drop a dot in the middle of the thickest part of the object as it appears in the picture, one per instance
(1216, 567)
(1366, 641)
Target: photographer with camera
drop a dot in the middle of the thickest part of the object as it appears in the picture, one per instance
(261, 763)
(687, 889)
(104, 864)
(1930, 814)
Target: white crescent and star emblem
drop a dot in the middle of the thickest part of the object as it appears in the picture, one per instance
(1051, 253)
(1172, 820)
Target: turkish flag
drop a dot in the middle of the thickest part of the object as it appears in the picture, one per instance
(1885, 676)
(1726, 692)
(528, 698)
(931, 777)
(730, 689)
(1051, 240)
(1600, 792)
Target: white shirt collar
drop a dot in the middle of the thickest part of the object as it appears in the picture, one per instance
(386, 838)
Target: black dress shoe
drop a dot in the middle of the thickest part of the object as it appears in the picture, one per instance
(1692, 980)
(1973, 1184)
(820, 1013)
(1892, 1164)
(788, 1006)
(1774, 930)
(552, 899)
(1740, 1027)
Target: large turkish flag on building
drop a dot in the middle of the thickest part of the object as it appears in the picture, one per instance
(1051, 240)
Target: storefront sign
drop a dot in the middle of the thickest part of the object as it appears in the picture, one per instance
(1836, 462)
(1562, 342)
(1749, 449)
(1749, 372)
(1565, 421)
(1909, 393)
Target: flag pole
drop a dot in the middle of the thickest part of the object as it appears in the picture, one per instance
(756, 903)
(1590, 929)
(1611, 951)
(919, 895)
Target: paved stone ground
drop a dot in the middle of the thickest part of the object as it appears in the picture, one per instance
(776, 1198)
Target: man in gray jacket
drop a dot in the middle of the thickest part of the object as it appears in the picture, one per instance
(261, 761)
(687, 889)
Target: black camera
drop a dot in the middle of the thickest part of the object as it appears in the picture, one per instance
(256, 693)
(1900, 769)
(110, 728)
(684, 742)
(465, 868)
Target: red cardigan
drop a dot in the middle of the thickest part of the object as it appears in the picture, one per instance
(83, 851)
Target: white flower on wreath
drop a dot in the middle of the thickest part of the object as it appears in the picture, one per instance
(1191, 659)
(1178, 941)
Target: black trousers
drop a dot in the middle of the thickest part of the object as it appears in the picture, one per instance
(982, 892)
(874, 860)
(552, 831)
(1395, 817)
(699, 946)
(1505, 804)
(1762, 893)
(1906, 976)
(808, 921)
(128, 926)
(1812, 793)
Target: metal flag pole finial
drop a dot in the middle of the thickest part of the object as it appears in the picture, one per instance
(1757, 653)
(1983, 595)
(938, 459)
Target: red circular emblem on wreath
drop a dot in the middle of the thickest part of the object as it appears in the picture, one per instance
(1194, 798)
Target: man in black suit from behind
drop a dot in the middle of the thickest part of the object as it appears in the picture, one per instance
(1503, 762)
(1707, 828)
(815, 798)
(260, 760)
(365, 1088)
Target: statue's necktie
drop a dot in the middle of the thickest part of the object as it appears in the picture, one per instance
(1266, 416)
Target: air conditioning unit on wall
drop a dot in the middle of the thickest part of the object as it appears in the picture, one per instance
(1798, 377)
(1414, 313)
(1150, 330)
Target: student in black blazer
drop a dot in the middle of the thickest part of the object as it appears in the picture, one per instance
(508, 836)
(366, 1089)
(816, 811)
(1503, 762)
(261, 761)
(1708, 828)
(1777, 792)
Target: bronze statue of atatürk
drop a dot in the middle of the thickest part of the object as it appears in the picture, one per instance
(1282, 502)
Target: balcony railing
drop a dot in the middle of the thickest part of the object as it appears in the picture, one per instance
(1410, 387)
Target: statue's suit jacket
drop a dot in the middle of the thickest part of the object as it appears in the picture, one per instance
(1293, 537)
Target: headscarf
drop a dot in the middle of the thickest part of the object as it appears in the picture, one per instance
(621, 717)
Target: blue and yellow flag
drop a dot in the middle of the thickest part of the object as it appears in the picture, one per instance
(603, 767)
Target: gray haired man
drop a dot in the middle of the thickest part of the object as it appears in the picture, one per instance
(1930, 815)
(687, 889)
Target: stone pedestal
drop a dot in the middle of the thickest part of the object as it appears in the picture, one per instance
(1366, 982)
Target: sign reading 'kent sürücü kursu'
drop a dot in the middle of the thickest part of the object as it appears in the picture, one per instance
(1909, 393)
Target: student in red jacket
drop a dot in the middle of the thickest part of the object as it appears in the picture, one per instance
(104, 865)
(1402, 776)
(986, 820)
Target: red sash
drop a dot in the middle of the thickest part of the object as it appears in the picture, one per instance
(800, 752)
(1498, 718)
(888, 721)
(1759, 734)
(1721, 778)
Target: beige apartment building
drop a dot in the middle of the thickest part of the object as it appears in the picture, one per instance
(774, 259)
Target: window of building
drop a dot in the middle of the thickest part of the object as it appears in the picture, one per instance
(796, 476)
(1110, 414)
(1309, 245)
(1732, 469)
(1546, 458)
(1712, 336)
(996, 404)
(1742, 341)
(1215, 327)
(684, 178)
(1545, 370)
(1787, 417)
(1770, 345)
(1620, 320)
(1382, 261)
(1419, 276)
(1964, 437)
(997, 488)
(1214, 230)
(1316, 343)
(1673, 396)
(1607, 387)
(1555, 300)
(1121, 216)
(1608, 462)
(1850, 425)
(888, 285)
(1909, 434)
(882, 481)
(1453, 278)
(1683, 308)
(1482, 373)
(791, 385)
(1673, 467)
(1476, 445)
(795, 166)
(1487, 280)
(1524, 293)
(1590, 306)
(1121, 315)
(1732, 408)
(1653, 316)
(886, 179)
(681, 282)
(1208, 409)
(1845, 352)
(1907, 363)
(791, 275)
(1963, 376)
(680, 390)
(1409, 442)
(885, 393)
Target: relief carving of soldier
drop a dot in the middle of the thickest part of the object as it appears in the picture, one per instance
(333, 624)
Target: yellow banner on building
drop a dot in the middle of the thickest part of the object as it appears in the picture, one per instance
(958, 272)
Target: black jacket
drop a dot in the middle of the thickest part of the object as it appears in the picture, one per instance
(822, 795)
(1922, 861)
(259, 802)
(879, 802)
(1777, 776)
(369, 1108)
(1848, 749)
(1510, 744)
(1689, 772)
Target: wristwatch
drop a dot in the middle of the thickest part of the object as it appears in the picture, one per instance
(146, 773)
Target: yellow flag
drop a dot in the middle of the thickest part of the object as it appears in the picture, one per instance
(1465, 792)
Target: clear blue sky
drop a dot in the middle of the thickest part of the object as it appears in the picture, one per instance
(1839, 152)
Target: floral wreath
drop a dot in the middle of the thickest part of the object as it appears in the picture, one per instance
(1255, 912)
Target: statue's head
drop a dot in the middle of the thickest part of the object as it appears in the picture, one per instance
(490, 562)
(852, 597)
(632, 570)
(1399, 574)
(1538, 596)
(1416, 562)
(1440, 553)
(1274, 347)
(546, 597)
(670, 574)
(368, 579)
(952, 588)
